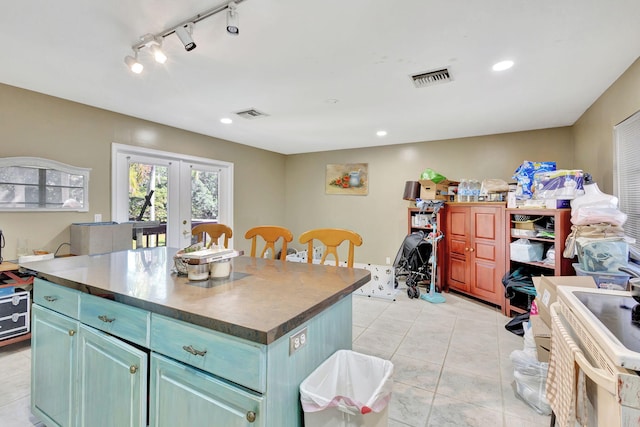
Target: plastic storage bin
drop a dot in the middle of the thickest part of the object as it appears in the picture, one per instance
(524, 250)
(605, 280)
(603, 255)
(348, 389)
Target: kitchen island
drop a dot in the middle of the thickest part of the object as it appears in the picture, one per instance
(121, 340)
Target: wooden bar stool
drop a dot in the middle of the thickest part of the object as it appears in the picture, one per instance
(214, 231)
(270, 234)
(331, 238)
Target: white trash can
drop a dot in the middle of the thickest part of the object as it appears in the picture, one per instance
(349, 389)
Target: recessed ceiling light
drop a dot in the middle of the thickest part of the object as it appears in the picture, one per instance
(381, 133)
(226, 121)
(502, 65)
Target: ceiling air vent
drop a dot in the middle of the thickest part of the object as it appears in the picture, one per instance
(431, 78)
(251, 114)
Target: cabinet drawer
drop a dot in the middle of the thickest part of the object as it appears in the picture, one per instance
(16, 324)
(16, 303)
(235, 359)
(56, 297)
(123, 321)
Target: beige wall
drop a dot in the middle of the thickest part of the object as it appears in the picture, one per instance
(594, 130)
(37, 125)
(289, 190)
(381, 216)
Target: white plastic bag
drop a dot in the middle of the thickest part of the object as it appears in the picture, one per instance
(530, 374)
(586, 215)
(350, 381)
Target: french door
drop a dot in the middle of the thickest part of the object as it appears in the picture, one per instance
(162, 191)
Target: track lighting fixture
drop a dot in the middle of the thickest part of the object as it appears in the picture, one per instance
(184, 31)
(232, 20)
(184, 34)
(133, 64)
(156, 50)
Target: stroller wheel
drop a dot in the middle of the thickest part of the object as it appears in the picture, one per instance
(413, 292)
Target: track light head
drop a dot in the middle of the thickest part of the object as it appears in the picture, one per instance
(184, 34)
(133, 64)
(158, 54)
(232, 20)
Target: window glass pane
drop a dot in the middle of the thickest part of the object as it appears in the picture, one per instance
(204, 195)
(147, 180)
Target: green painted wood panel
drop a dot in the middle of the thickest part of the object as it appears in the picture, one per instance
(112, 381)
(236, 359)
(53, 362)
(129, 323)
(184, 396)
(327, 333)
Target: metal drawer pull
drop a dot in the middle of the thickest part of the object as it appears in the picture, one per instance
(106, 319)
(190, 349)
(133, 369)
(251, 416)
(71, 332)
(50, 298)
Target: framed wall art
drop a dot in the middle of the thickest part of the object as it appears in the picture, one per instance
(347, 179)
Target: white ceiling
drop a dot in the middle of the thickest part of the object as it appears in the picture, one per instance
(328, 73)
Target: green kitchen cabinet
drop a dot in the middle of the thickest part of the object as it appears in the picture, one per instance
(112, 381)
(53, 367)
(182, 395)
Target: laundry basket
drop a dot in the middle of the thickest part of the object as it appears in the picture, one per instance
(349, 389)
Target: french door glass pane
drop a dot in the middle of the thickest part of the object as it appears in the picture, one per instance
(204, 196)
(148, 199)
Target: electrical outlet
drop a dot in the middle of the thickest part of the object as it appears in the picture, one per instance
(97, 218)
(298, 340)
(388, 260)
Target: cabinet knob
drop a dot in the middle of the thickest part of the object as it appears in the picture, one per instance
(71, 332)
(251, 416)
(133, 369)
(466, 249)
(471, 249)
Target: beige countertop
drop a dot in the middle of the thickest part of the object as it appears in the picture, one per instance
(261, 301)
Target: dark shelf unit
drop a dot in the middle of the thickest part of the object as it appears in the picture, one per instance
(560, 219)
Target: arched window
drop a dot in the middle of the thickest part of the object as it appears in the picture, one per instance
(36, 184)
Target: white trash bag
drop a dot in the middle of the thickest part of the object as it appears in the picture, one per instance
(531, 375)
(348, 389)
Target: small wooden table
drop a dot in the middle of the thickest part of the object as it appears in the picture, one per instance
(8, 269)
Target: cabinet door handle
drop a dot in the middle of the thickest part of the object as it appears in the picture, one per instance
(251, 416)
(133, 369)
(71, 332)
(190, 349)
(471, 249)
(106, 319)
(466, 249)
(50, 298)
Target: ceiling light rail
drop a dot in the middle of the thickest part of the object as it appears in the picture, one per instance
(184, 31)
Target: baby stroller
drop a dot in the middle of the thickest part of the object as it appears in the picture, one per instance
(412, 262)
(417, 257)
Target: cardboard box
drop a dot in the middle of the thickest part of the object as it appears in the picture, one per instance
(546, 290)
(100, 237)
(557, 203)
(542, 337)
(429, 190)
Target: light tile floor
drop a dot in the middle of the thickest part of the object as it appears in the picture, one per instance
(451, 364)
